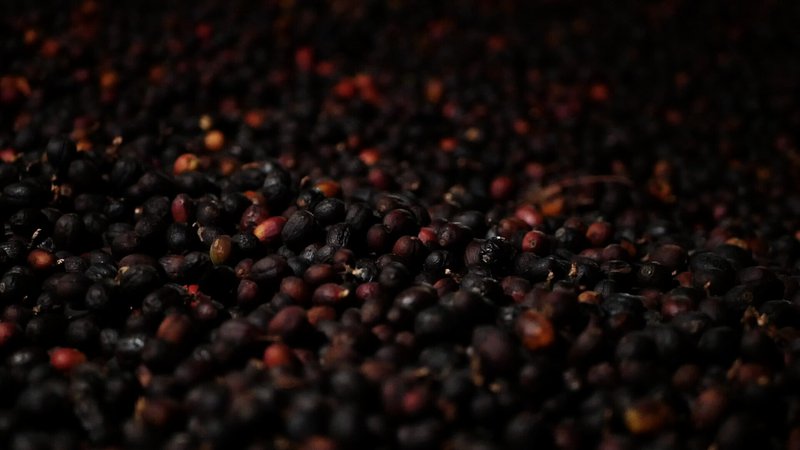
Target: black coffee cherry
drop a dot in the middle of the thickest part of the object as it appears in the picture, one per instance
(300, 229)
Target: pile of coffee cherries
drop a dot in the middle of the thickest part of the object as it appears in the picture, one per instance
(412, 225)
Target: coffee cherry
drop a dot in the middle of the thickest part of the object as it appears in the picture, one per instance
(66, 359)
(535, 330)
